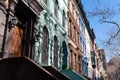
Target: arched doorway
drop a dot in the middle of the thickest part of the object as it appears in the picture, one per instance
(55, 52)
(45, 46)
(65, 54)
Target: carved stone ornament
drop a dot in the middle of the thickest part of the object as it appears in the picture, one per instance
(34, 6)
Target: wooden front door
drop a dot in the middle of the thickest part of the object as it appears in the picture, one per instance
(15, 42)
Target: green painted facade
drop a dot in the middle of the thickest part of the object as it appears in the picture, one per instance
(73, 75)
(53, 24)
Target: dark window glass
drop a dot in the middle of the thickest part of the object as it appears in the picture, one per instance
(55, 52)
(63, 21)
(44, 54)
(56, 8)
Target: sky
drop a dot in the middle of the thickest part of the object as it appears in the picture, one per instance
(101, 29)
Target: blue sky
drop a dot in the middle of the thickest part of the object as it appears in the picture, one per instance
(101, 29)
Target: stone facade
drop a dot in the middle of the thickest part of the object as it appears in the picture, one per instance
(99, 64)
(53, 22)
(75, 54)
(18, 28)
(86, 41)
(2, 21)
(102, 64)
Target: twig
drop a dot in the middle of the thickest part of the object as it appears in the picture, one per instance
(117, 25)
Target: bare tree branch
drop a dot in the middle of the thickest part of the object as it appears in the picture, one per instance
(112, 22)
(106, 15)
(103, 13)
(112, 37)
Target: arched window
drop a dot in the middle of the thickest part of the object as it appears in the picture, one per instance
(44, 55)
(65, 54)
(63, 19)
(55, 52)
(56, 7)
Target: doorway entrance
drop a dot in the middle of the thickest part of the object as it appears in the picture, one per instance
(26, 20)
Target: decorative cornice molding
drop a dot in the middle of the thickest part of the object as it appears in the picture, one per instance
(34, 5)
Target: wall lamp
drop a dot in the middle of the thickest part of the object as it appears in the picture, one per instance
(13, 22)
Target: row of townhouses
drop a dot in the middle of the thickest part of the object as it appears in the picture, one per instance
(54, 34)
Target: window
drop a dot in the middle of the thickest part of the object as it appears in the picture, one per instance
(71, 56)
(77, 18)
(74, 34)
(45, 1)
(65, 54)
(63, 19)
(56, 7)
(69, 24)
(70, 28)
(73, 9)
(83, 29)
(79, 64)
(74, 62)
(80, 22)
(78, 38)
(93, 57)
(55, 52)
(81, 42)
(85, 48)
(44, 55)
